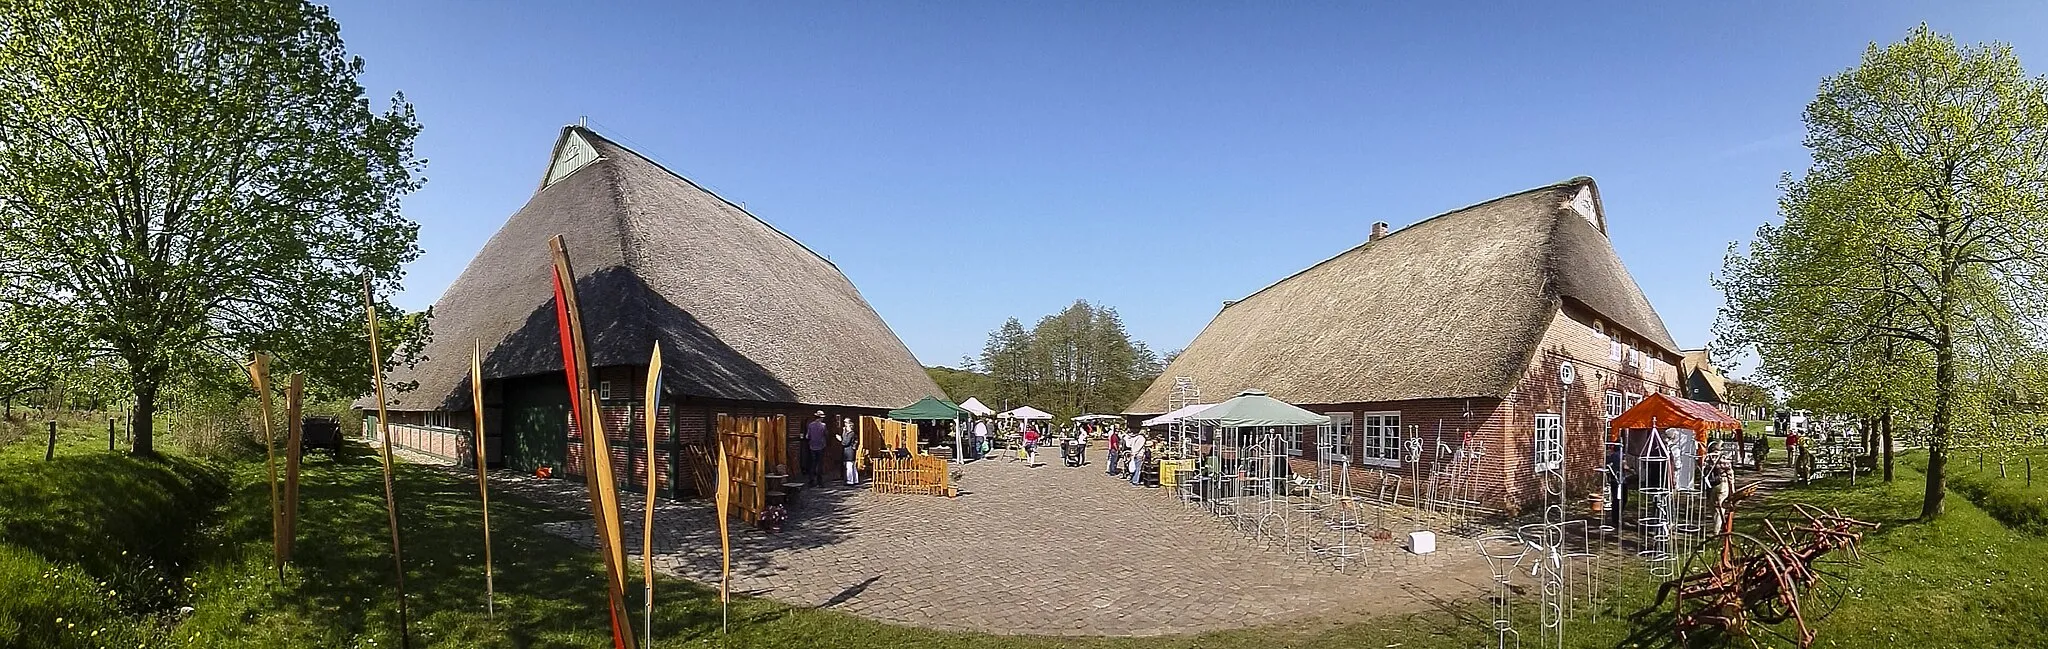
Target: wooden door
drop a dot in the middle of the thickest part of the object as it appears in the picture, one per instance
(536, 426)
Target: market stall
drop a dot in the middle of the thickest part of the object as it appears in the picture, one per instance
(936, 411)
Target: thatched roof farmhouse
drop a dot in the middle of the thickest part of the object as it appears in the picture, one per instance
(1449, 330)
(750, 320)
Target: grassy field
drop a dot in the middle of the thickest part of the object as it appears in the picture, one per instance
(102, 550)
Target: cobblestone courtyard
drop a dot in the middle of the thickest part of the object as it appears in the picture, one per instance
(1049, 550)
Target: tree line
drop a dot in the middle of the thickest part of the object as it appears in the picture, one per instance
(1907, 281)
(1080, 360)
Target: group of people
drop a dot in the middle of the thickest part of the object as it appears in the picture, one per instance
(815, 435)
(1129, 451)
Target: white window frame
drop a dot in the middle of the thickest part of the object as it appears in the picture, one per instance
(1339, 432)
(1548, 440)
(604, 390)
(1374, 428)
(1629, 400)
(1615, 404)
(1293, 434)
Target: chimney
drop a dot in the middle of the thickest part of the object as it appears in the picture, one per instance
(1379, 231)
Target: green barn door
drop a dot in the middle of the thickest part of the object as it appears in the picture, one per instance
(536, 425)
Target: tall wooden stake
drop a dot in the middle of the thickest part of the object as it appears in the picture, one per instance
(295, 432)
(483, 482)
(724, 539)
(589, 421)
(259, 375)
(390, 493)
(647, 526)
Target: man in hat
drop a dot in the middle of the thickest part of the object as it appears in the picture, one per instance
(814, 449)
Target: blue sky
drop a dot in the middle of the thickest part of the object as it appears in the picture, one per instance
(964, 162)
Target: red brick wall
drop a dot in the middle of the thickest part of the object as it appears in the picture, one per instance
(1506, 479)
(1575, 336)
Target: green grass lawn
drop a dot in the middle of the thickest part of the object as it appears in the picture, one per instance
(97, 542)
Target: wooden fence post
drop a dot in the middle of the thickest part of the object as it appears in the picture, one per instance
(110, 433)
(50, 453)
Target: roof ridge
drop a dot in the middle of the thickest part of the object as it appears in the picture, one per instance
(1575, 180)
(708, 191)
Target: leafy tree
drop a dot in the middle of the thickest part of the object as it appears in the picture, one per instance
(959, 384)
(1908, 269)
(1076, 361)
(183, 178)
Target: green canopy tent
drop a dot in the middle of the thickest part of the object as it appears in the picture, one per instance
(1253, 409)
(934, 409)
(1243, 437)
(928, 409)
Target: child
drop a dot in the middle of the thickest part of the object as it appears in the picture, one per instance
(1031, 445)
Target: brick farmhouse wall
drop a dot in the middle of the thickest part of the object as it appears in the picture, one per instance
(1503, 429)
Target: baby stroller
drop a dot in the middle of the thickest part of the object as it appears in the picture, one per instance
(1070, 451)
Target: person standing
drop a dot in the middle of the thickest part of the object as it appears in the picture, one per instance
(814, 449)
(849, 444)
(1080, 455)
(1721, 474)
(1138, 453)
(980, 438)
(1763, 448)
(1115, 447)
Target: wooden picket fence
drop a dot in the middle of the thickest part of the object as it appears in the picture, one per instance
(921, 475)
(878, 435)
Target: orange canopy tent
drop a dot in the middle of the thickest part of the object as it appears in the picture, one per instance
(1661, 412)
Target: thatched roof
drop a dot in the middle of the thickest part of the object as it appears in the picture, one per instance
(1453, 306)
(743, 311)
(1698, 360)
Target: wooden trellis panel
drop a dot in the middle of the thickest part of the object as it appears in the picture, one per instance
(918, 474)
(754, 446)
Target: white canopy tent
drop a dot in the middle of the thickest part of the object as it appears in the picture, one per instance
(1096, 417)
(1175, 416)
(975, 406)
(1026, 413)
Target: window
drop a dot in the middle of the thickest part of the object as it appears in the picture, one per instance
(1613, 348)
(1615, 406)
(1382, 438)
(1632, 400)
(604, 389)
(1293, 435)
(1549, 442)
(1337, 436)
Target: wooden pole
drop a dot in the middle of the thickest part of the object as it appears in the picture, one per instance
(653, 403)
(589, 420)
(50, 452)
(384, 431)
(259, 375)
(295, 434)
(483, 481)
(724, 501)
(110, 433)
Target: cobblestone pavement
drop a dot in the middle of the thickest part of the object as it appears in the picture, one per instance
(1046, 550)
